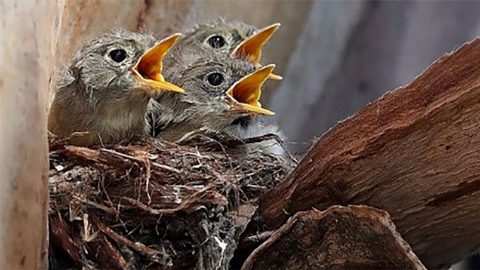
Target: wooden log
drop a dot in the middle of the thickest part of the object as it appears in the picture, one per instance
(354, 237)
(27, 37)
(415, 152)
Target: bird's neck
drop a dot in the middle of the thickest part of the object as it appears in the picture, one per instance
(124, 115)
(189, 119)
(105, 120)
(171, 119)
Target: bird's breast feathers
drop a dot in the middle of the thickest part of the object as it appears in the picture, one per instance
(120, 122)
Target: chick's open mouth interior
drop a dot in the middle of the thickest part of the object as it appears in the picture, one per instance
(245, 93)
(149, 67)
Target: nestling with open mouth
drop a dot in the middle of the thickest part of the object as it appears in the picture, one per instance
(223, 98)
(236, 40)
(106, 90)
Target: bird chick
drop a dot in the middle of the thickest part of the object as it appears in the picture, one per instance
(224, 39)
(222, 100)
(106, 90)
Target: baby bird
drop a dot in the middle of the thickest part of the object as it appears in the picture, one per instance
(106, 90)
(225, 39)
(223, 98)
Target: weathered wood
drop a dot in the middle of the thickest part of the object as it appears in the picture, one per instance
(415, 153)
(26, 49)
(354, 237)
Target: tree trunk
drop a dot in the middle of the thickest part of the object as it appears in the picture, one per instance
(415, 153)
(26, 38)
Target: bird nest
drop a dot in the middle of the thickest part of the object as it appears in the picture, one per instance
(154, 204)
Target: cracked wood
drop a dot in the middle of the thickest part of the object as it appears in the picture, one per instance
(415, 152)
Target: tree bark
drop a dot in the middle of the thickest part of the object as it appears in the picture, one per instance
(354, 237)
(415, 152)
(27, 42)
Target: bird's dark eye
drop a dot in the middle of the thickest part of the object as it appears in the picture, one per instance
(215, 79)
(118, 55)
(216, 41)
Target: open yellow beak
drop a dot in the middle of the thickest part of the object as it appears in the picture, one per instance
(244, 94)
(251, 48)
(148, 69)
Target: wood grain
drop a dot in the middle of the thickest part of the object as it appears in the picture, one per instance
(415, 152)
(27, 34)
(354, 237)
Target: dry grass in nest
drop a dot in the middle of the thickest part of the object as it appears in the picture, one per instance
(154, 204)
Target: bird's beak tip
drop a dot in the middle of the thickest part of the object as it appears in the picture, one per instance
(275, 77)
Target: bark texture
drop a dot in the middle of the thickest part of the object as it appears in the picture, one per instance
(415, 153)
(26, 50)
(354, 237)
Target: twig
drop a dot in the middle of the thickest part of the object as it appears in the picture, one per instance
(149, 209)
(155, 164)
(137, 246)
(166, 167)
(96, 205)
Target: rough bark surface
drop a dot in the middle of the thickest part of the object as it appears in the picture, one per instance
(415, 153)
(354, 237)
(26, 50)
